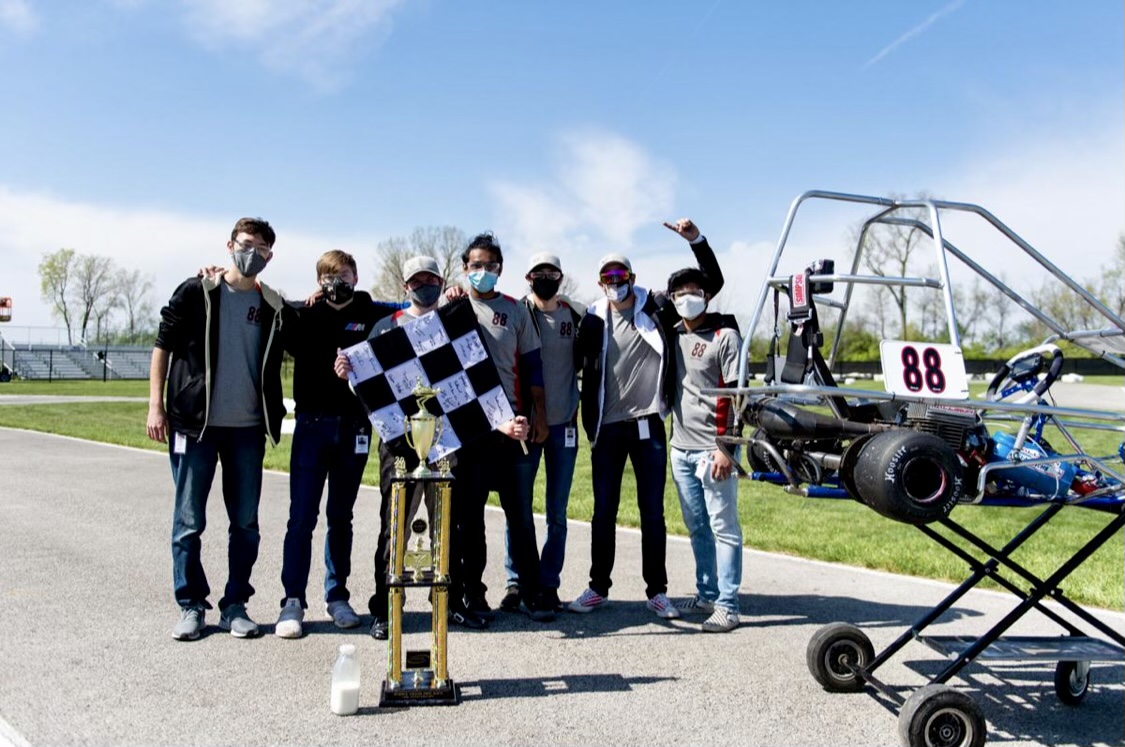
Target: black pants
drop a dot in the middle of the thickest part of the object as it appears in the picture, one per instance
(489, 464)
(416, 493)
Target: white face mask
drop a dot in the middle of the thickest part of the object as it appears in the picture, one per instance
(689, 307)
(617, 293)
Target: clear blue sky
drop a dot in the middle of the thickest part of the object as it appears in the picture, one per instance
(143, 129)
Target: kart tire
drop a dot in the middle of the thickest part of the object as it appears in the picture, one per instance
(909, 476)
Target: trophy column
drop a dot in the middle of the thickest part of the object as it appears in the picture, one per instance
(422, 678)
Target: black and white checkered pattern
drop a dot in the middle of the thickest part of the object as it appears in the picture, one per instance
(444, 350)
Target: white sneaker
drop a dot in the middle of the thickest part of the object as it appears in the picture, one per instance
(588, 601)
(663, 607)
(720, 621)
(289, 621)
(343, 615)
(697, 605)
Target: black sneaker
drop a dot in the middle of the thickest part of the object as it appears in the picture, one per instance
(551, 598)
(461, 615)
(380, 630)
(479, 606)
(541, 609)
(511, 600)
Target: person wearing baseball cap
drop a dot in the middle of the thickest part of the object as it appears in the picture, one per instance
(626, 362)
(556, 322)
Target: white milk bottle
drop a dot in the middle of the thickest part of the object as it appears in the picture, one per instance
(345, 682)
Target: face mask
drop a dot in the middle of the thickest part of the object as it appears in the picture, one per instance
(618, 293)
(483, 281)
(338, 290)
(425, 295)
(689, 307)
(544, 288)
(249, 262)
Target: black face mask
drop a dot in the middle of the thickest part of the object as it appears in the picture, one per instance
(544, 288)
(338, 290)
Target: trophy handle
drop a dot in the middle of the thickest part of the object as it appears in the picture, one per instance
(406, 432)
(438, 426)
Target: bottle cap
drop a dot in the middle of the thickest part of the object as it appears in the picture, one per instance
(347, 649)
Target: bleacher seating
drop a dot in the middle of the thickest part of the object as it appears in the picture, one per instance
(78, 362)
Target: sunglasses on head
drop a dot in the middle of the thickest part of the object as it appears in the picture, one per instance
(615, 277)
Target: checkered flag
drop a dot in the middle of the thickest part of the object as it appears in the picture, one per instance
(444, 350)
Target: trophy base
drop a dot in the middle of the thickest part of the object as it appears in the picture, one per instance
(419, 689)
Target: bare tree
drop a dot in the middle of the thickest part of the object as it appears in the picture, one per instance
(134, 289)
(444, 243)
(56, 275)
(93, 287)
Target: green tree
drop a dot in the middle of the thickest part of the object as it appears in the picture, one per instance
(56, 276)
(443, 243)
(95, 289)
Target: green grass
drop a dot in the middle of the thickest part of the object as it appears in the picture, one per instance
(838, 531)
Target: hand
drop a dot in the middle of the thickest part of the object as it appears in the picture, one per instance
(342, 367)
(721, 465)
(210, 272)
(516, 428)
(157, 424)
(453, 292)
(540, 431)
(684, 227)
(314, 297)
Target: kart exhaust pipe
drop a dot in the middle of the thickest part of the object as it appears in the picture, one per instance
(784, 420)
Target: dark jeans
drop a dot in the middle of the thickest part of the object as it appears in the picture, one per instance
(616, 443)
(240, 451)
(560, 460)
(416, 494)
(488, 464)
(324, 448)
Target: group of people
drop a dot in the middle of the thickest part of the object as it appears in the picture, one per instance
(640, 354)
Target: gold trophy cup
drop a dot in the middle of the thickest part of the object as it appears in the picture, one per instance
(422, 429)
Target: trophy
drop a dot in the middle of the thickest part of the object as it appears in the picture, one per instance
(422, 429)
(424, 680)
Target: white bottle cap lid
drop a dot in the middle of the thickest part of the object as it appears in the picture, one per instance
(347, 649)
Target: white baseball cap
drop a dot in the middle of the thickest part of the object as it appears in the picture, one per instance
(415, 265)
(615, 259)
(544, 258)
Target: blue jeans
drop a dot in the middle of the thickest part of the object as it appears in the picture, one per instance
(240, 451)
(711, 516)
(324, 448)
(617, 443)
(560, 474)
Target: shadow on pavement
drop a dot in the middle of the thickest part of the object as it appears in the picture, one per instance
(534, 687)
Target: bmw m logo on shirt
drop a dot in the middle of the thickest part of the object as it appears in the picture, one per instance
(355, 327)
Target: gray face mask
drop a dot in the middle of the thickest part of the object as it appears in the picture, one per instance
(425, 295)
(249, 262)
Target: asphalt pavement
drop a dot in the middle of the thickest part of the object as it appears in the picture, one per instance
(86, 658)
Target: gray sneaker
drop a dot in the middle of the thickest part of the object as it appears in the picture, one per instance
(190, 625)
(342, 614)
(235, 619)
(289, 621)
(697, 605)
(720, 621)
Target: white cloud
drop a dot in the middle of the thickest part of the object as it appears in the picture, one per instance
(315, 39)
(18, 17)
(169, 246)
(603, 190)
(916, 31)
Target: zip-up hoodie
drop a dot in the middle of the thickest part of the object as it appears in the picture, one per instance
(654, 317)
(189, 331)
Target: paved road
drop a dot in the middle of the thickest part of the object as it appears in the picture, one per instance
(85, 611)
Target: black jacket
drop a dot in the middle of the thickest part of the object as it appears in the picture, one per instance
(189, 331)
(655, 312)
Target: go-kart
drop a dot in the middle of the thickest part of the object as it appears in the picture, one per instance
(916, 451)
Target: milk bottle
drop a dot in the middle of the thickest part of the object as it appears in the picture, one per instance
(345, 682)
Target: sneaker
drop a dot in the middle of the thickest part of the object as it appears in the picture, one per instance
(461, 615)
(663, 607)
(342, 614)
(235, 619)
(551, 597)
(380, 630)
(289, 621)
(720, 621)
(511, 600)
(479, 605)
(541, 609)
(190, 625)
(697, 605)
(588, 601)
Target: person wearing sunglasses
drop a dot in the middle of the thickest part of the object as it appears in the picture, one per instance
(627, 385)
(219, 349)
(705, 348)
(489, 463)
